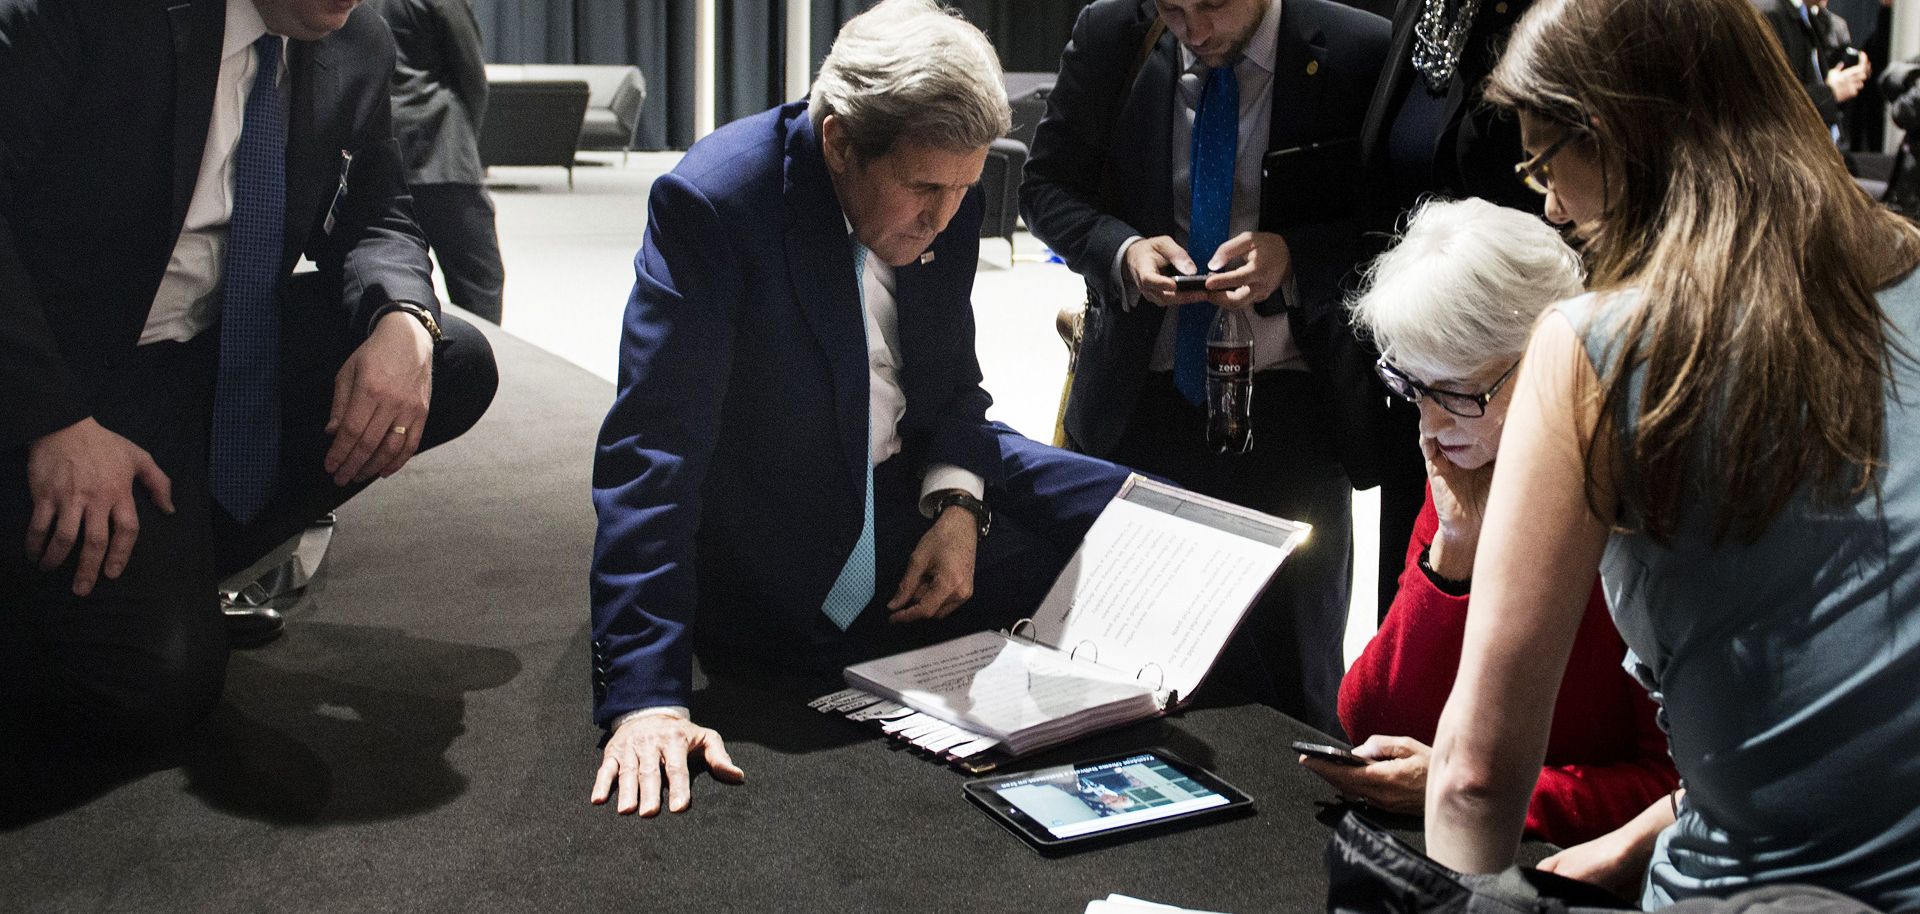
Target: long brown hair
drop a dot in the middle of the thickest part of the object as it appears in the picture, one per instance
(1756, 258)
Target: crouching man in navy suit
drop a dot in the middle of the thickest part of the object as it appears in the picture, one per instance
(174, 399)
(798, 471)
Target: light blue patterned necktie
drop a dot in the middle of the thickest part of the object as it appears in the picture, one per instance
(1216, 142)
(244, 452)
(853, 590)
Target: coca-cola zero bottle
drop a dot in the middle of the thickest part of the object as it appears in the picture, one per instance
(1230, 383)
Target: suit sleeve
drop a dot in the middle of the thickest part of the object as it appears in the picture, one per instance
(654, 451)
(465, 60)
(39, 64)
(1060, 195)
(379, 251)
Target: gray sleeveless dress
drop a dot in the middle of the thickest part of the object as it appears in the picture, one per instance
(1788, 671)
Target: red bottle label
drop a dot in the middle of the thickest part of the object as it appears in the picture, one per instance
(1229, 361)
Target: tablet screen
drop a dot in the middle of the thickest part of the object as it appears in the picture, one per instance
(1070, 800)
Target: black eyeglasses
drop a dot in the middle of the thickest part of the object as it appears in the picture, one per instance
(1535, 171)
(1459, 403)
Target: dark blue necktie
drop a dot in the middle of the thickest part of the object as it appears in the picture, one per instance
(853, 589)
(244, 458)
(1216, 141)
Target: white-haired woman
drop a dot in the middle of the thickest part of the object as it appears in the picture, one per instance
(1451, 306)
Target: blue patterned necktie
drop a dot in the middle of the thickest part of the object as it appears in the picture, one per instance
(1216, 141)
(244, 458)
(853, 590)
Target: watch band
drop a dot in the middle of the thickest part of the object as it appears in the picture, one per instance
(982, 518)
(421, 314)
(1445, 585)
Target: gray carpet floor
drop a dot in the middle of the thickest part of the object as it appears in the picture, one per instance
(430, 678)
(419, 740)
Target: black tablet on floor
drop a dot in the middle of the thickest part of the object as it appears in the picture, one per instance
(1104, 800)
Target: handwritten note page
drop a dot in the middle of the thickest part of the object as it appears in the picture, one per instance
(992, 684)
(1154, 594)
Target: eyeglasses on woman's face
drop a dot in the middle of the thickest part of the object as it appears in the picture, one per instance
(1460, 403)
(1537, 172)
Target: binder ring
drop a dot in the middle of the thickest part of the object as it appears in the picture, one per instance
(1075, 653)
(1015, 628)
(1160, 681)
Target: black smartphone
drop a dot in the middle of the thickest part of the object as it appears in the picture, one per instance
(1089, 804)
(1333, 754)
(1195, 283)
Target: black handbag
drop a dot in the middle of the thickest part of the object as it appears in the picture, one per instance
(1369, 871)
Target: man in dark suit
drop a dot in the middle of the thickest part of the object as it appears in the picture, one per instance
(1830, 87)
(800, 422)
(439, 100)
(1124, 170)
(174, 401)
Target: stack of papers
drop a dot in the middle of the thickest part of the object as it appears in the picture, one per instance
(1026, 696)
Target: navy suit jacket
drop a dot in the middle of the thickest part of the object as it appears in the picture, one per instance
(103, 119)
(730, 472)
(1327, 59)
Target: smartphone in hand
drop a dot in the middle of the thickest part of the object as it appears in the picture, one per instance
(1333, 754)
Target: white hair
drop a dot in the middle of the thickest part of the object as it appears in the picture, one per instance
(912, 69)
(1462, 286)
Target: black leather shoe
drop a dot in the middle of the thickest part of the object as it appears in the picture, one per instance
(251, 626)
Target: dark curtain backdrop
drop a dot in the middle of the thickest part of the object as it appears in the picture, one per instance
(657, 36)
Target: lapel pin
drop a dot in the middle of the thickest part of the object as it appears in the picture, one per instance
(1313, 66)
(926, 258)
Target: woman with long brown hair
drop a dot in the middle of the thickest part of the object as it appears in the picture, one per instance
(1724, 427)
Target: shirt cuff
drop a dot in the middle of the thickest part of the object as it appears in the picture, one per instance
(1128, 293)
(674, 711)
(944, 476)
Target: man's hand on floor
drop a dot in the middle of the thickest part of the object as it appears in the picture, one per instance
(644, 746)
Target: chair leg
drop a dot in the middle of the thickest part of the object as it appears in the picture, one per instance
(569, 179)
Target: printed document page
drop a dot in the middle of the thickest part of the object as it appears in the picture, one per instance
(1156, 594)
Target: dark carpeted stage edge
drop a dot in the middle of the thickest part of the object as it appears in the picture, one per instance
(418, 740)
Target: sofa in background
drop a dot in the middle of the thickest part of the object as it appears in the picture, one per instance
(533, 122)
(616, 95)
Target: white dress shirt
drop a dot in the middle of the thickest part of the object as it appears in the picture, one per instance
(188, 300)
(1273, 345)
(886, 399)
